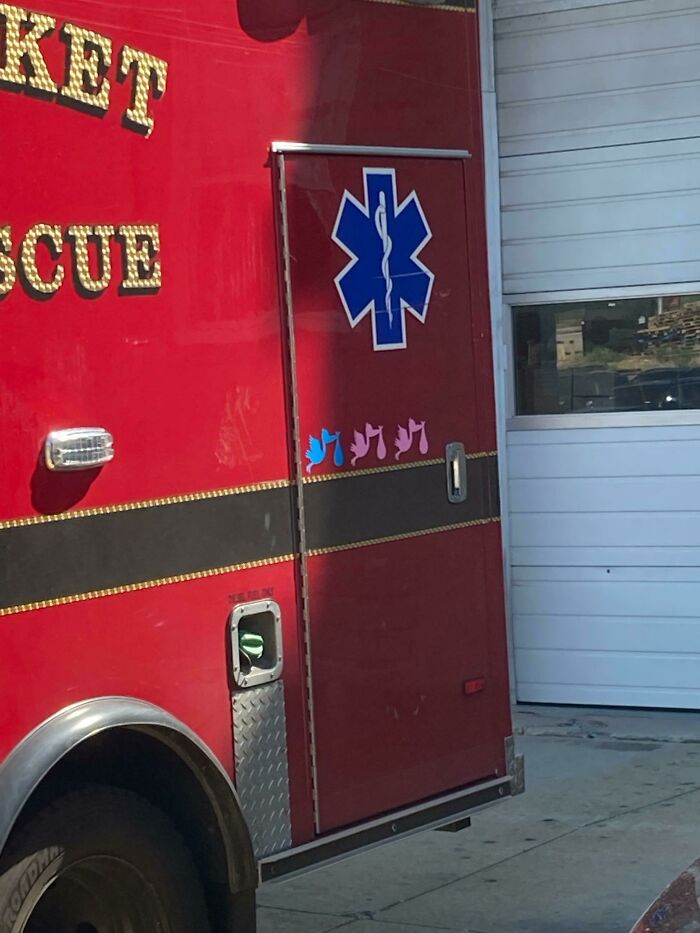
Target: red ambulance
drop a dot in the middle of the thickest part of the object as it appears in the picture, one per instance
(251, 603)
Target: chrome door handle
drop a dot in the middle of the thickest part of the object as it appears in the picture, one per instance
(456, 462)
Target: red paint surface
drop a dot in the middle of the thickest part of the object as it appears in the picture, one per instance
(342, 72)
(190, 381)
(343, 382)
(397, 628)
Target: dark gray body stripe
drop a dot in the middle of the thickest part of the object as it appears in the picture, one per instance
(365, 507)
(97, 552)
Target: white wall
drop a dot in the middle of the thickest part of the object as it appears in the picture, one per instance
(599, 135)
(599, 125)
(605, 565)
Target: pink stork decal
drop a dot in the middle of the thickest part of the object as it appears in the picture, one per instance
(362, 443)
(405, 436)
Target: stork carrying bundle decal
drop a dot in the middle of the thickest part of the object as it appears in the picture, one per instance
(385, 277)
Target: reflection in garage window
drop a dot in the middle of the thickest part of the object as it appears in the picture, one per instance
(640, 354)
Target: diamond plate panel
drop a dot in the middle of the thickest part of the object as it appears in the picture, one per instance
(262, 776)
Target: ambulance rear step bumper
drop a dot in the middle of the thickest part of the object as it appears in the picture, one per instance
(433, 814)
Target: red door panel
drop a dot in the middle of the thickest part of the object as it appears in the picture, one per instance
(378, 262)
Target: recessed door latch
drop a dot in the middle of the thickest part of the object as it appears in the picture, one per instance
(256, 643)
(456, 462)
(78, 449)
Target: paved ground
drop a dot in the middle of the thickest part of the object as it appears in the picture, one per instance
(606, 822)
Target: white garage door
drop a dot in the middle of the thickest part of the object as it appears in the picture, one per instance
(599, 126)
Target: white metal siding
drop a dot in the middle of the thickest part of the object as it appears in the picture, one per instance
(599, 137)
(599, 133)
(605, 554)
(624, 216)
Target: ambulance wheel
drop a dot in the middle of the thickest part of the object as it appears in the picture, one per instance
(100, 860)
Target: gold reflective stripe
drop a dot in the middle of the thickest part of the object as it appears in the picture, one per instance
(392, 467)
(146, 585)
(144, 504)
(319, 552)
(371, 471)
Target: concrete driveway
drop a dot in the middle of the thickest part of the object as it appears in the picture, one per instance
(611, 814)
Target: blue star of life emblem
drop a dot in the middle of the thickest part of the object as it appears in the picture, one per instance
(385, 277)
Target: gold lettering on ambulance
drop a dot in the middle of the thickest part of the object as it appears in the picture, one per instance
(51, 235)
(142, 269)
(24, 62)
(81, 234)
(150, 75)
(89, 60)
(8, 273)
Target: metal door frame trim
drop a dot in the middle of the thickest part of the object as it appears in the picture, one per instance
(289, 148)
(283, 227)
(432, 814)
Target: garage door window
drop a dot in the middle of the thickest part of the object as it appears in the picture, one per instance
(640, 354)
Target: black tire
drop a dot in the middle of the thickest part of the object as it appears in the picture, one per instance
(100, 860)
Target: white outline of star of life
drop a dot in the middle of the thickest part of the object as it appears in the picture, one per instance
(370, 307)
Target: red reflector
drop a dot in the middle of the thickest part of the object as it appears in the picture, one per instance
(474, 686)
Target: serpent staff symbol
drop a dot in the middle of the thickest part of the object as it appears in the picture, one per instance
(380, 222)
